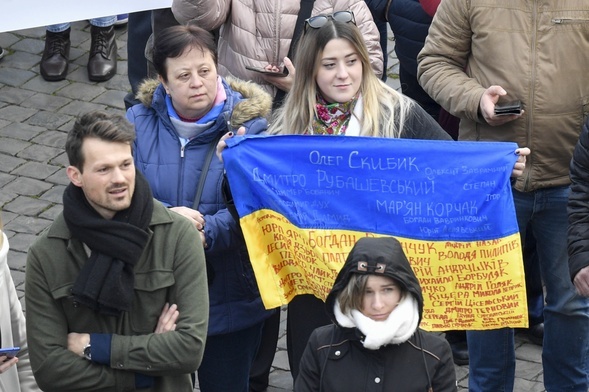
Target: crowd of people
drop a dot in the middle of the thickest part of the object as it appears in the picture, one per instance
(144, 281)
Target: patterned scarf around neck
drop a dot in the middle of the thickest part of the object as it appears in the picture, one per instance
(332, 118)
(106, 281)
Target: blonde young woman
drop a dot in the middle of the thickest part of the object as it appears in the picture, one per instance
(335, 92)
(16, 374)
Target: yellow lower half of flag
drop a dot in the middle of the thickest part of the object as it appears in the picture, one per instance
(468, 285)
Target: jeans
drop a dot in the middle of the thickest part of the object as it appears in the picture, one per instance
(534, 288)
(227, 360)
(305, 313)
(566, 315)
(262, 363)
(138, 32)
(98, 22)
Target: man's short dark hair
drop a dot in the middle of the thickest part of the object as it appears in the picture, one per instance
(101, 125)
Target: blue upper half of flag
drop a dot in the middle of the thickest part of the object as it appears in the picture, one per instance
(421, 189)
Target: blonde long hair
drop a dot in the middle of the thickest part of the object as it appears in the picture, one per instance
(381, 103)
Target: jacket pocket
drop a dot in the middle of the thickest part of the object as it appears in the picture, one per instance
(151, 293)
(338, 351)
(70, 306)
(571, 21)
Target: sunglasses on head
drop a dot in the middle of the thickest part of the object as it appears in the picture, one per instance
(317, 22)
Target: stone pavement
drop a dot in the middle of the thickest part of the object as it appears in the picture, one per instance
(35, 116)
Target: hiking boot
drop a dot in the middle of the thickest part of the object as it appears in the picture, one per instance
(56, 56)
(102, 60)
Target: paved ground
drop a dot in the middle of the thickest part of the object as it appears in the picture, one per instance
(34, 118)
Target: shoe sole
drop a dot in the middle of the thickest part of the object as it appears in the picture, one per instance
(102, 78)
(57, 78)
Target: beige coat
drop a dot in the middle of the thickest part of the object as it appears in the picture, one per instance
(259, 32)
(18, 378)
(538, 51)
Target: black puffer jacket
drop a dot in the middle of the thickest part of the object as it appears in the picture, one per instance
(410, 24)
(578, 209)
(335, 359)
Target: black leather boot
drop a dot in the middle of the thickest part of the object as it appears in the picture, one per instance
(102, 61)
(56, 56)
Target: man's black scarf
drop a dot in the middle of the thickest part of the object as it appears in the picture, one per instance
(106, 282)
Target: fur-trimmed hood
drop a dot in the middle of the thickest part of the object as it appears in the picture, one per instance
(256, 103)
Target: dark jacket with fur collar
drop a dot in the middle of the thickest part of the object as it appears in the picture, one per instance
(336, 360)
(174, 171)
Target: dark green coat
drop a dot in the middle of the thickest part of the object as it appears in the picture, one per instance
(171, 269)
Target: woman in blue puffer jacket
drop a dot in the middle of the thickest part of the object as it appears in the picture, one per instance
(178, 124)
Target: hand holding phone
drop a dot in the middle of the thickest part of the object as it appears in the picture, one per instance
(265, 71)
(8, 358)
(9, 352)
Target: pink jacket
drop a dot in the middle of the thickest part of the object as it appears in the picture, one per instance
(259, 32)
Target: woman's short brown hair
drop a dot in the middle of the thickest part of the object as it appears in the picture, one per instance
(173, 41)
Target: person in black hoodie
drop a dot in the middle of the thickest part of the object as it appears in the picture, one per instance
(376, 306)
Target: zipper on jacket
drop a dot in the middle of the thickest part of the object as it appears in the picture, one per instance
(181, 173)
(276, 41)
(569, 20)
(530, 106)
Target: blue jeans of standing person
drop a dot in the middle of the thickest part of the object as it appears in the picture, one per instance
(98, 22)
(227, 360)
(566, 315)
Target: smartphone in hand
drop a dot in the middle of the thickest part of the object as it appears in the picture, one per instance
(9, 352)
(265, 71)
(508, 108)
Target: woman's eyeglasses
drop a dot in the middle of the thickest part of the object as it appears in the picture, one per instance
(317, 22)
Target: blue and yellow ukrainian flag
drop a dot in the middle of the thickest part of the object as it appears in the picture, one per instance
(304, 201)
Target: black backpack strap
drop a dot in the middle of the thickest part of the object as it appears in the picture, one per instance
(205, 171)
(304, 14)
